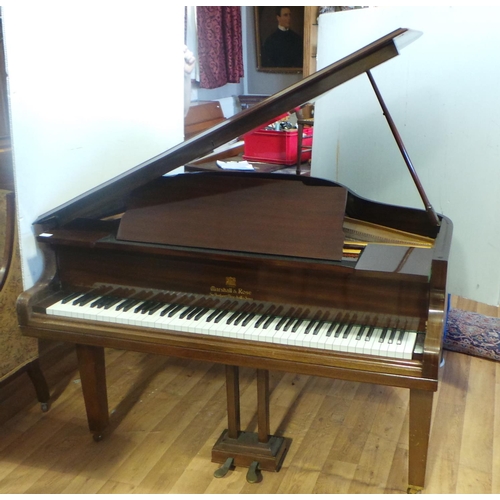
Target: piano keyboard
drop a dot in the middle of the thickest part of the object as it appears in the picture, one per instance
(242, 320)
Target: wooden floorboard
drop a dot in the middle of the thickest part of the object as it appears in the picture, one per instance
(167, 413)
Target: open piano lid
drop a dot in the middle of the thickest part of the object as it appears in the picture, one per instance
(110, 197)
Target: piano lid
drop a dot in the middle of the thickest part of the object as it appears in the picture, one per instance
(110, 197)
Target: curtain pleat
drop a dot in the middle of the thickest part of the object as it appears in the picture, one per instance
(220, 49)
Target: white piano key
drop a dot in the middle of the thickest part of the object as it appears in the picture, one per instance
(410, 345)
(297, 336)
(60, 308)
(368, 345)
(200, 324)
(267, 333)
(384, 345)
(318, 336)
(347, 337)
(200, 320)
(356, 338)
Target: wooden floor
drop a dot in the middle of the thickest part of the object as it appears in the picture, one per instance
(167, 413)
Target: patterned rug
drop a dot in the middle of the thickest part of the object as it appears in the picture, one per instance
(473, 333)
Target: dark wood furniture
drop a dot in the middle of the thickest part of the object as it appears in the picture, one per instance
(305, 125)
(18, 354)
(300, 269)
(201, 116)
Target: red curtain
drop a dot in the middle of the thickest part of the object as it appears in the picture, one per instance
(220, 53)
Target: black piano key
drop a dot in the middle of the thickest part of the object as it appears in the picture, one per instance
(401, 337)
(347, 331)
(383, 335)
(248, 318)
(225, 312)
(70, 297)
(285, 318)
(339, 329)
(271, 318)
(85, 299)
(264, 316)
(300, 320)
(321, 322)
(126, 303)
(236, 314)
(167, 309)
(176, 309)
(185, 311)
(334, 324)
(392, 335)
(180, 305)
(221, 316)
(108, 299)
(99, 302)
(142, 307)
(213, 314)
(202, 307)
(117, 302)
(251, 315)
(153, 305)
(130, 303)
(197, 307)
(361, 330)
(290, 322)
(243, 315)
(156, 307)
(217, 311)
(369, 333)
(201, 313)
(193, 308)
(312, 322)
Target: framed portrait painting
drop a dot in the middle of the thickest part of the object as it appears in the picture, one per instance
(279, 39)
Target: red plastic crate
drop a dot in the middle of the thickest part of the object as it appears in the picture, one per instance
(279, 147)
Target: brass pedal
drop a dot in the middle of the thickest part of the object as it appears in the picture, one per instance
(254, 475)
(223, 470)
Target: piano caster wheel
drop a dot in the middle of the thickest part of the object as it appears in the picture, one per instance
(254, 475)
(224, 469)
(414, 489)
(97, 437)
(45, 407)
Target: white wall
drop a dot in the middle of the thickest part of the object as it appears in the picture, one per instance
(443, 93)
(95, 89)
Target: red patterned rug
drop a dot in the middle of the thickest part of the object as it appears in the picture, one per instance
(473, 333)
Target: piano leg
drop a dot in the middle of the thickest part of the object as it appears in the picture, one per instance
(41, 388)
(263, 405)
(255, 450)
(93, 378)
(420, 425)
(233, 401)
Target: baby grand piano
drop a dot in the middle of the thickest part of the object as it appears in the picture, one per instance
(269, 271)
